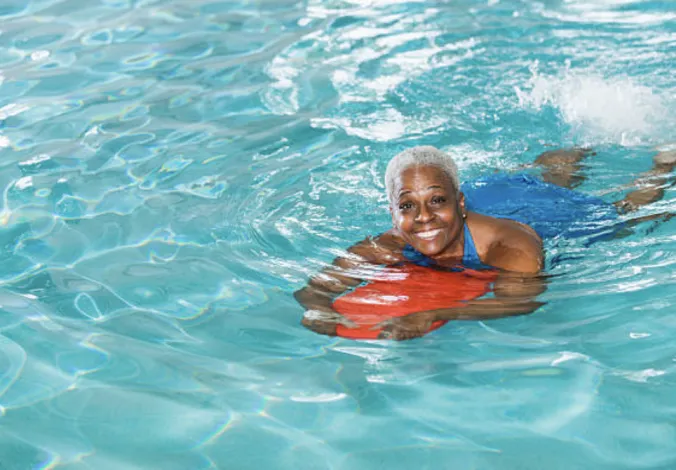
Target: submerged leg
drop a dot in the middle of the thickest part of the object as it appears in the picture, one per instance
(650, 185)
(562, 167)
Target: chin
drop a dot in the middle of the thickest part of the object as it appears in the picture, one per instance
(428, 249)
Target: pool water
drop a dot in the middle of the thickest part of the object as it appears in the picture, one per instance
(173, 170)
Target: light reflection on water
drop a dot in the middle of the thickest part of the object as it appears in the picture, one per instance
(172, 171)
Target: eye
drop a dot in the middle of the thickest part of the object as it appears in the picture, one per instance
(438, 200)
(405, 206)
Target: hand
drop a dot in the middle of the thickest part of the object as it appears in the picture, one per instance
(325, 322)
(410, 326)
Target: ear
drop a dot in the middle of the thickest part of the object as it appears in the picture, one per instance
(461, 202)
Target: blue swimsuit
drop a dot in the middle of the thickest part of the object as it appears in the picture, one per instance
(552, 211)
(470, 257)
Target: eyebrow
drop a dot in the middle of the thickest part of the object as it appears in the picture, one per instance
(434, 186)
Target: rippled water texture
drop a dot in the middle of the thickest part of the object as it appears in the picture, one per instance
(173, 170)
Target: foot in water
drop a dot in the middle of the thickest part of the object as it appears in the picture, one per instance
(665, 160)
(650, 186)
(562, 167)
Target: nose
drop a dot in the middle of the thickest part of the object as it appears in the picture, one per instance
(424, 214)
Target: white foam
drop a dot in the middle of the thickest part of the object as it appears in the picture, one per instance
(12, 109)
(610, 110)
(25, 182)
(320, 398)
(40, 55)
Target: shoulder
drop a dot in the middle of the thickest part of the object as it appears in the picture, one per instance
(507, 244)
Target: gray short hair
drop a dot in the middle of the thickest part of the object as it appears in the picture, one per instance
(424, 155)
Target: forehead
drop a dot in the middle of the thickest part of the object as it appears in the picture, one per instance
(422, 177)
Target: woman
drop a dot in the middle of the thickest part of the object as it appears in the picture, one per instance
(432, 224)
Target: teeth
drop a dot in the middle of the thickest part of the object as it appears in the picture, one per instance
(428, 235)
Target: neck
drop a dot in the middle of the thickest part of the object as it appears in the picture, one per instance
(455, 250)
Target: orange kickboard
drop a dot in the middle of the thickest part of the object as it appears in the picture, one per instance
(407, 289)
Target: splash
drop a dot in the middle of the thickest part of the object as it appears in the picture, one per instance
(608, 110)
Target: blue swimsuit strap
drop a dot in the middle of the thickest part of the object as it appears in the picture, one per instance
(470, 257)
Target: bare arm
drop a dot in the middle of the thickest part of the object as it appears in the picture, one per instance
(516, 290)
(515, 294)
(650, 186)
(520, 257)
(343, 274)
(516, 287)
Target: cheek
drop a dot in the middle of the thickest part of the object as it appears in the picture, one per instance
(401, 221)
(450, 215)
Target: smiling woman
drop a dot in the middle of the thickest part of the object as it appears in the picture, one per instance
(429, 215)
(433, 228)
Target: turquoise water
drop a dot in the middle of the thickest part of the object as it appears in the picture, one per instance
(174, 170)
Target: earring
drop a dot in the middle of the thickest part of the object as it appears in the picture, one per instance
(464, 215)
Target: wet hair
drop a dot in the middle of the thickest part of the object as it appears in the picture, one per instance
(425, 155)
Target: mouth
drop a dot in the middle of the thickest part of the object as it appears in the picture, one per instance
(429, 234)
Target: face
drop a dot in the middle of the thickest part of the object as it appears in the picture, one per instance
(427, 211)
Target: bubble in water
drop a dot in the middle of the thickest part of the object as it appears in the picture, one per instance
(611, 110)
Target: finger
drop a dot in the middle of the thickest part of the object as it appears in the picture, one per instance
(385, 334)
(383, 324)
(320, 327)
(405, 334)
(347, 323)
(402, 336)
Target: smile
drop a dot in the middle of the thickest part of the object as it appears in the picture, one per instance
(429, 234)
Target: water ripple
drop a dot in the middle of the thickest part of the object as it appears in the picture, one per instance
(172, 171)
